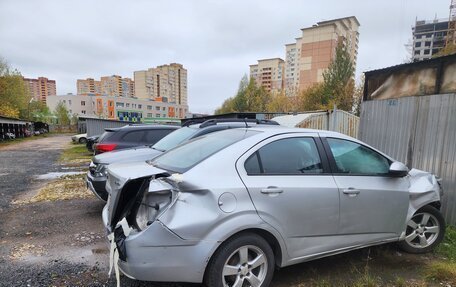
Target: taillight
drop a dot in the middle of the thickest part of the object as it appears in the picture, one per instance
(101, 147)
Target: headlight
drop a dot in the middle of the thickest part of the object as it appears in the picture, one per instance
(101, 170)
(152, 205)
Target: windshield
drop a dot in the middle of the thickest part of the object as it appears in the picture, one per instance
(105, 136)
(184, 157)
(174, 139)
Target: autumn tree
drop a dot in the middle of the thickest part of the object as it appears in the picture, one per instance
(249, 98)
(14, 97)
(449, 49)
(358, 96)
(312, 98)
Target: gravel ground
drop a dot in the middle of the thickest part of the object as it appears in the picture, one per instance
(62, 243)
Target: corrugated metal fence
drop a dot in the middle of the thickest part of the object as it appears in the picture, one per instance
(97, 126)
(419, 131)
(339, 121)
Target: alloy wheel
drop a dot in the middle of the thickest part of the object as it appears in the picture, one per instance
(246, 267)
(422, 230)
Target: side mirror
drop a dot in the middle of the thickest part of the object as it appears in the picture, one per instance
(398, 169)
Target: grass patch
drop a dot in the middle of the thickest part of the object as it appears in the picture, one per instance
(64, 188)
(442, 272)
(76, 153)
(19, 140)
(447, 248)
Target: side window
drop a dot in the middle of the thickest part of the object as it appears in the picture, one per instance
(153, 136)
(133, 137)
(354, 158)
(288, 156)
(252, 165)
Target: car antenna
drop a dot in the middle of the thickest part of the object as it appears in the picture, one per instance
(245, 121)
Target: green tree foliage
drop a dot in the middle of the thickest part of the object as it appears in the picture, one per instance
(38, 111)
(61, 113)
(249, 98)
(338, 83)
(14, 96)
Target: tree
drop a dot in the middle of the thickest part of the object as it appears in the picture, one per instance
(338, 83)
(14, 96)
(447, 50)
(249, 98)
(38, 111)
(358, 96)
(281, 103)
(61, 113)
(312, 98)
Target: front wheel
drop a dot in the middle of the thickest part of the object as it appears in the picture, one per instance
(424, 231)
(243, 261)
(82, 140)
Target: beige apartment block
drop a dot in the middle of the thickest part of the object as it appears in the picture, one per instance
(318, 45)
(40, 88)
(268, 73)
(88, 86)
(166, 83)
(307, 58)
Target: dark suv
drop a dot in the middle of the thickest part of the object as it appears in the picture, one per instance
(131, 136)
(96, 177)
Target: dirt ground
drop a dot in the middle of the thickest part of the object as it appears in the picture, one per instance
(62, 243)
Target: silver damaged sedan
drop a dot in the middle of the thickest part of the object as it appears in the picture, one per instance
(227, 208)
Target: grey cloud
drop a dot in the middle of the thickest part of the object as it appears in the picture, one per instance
(214, 40)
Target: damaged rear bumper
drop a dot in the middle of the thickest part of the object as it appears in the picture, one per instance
(158, 254)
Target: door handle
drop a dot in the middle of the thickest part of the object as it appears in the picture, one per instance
(351, 191)
(271, 190)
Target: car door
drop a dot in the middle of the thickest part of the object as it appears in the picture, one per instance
(291, 187)
(373, 204)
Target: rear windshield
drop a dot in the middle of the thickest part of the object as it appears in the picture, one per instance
(174, 139)
(105, 136)
(184, 157)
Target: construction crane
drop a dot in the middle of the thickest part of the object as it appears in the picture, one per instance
(451, 35)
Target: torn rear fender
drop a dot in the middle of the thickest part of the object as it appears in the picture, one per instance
(424, 189)
(127, 186)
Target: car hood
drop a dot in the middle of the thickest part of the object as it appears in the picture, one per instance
(142, 153)
(125, 182)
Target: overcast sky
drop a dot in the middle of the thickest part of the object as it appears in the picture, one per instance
(216, 41)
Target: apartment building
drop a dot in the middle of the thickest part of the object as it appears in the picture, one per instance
(315, 50)
(166, 83)
(429, 37)
(114, 85)
(119, 108)
(268, 73)
(88, 86)
(310, 55)
(40, 88)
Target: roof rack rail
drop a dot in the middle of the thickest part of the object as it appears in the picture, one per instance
(212, 122)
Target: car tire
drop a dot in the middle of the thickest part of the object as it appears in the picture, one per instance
(247, 257)
(424, 231)
(82, 140)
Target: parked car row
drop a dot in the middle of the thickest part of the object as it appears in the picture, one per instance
(226, 202)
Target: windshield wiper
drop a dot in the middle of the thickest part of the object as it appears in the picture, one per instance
(152, 147)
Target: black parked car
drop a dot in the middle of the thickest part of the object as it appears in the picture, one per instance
(91, 141)
(131, 136)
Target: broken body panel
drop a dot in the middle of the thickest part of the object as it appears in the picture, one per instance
(183, 218)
